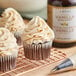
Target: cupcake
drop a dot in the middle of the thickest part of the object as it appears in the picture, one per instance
(12, 20)
(37, 39)
(8, 50)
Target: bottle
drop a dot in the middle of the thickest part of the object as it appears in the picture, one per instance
(62, 19)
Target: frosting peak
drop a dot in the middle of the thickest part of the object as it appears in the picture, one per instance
(12, 20)
(7, 42)
(37, 31)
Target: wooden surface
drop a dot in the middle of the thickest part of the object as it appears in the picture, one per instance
(46, 70)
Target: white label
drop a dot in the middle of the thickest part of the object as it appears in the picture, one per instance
(64, 23)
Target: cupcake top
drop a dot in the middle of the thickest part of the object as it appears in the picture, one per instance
(37, 31)
(7, 42)
(12, 20)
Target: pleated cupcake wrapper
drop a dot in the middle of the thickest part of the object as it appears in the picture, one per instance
(19, 41)
(7, 63)
(39, 51)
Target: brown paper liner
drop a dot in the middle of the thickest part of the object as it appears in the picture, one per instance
(19, 40)
(39, 51)
(7, 63)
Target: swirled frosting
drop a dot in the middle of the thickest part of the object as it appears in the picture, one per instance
(8, 43)
(12, 20)
(37, 31)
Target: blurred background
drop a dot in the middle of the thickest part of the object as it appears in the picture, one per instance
(27, 8)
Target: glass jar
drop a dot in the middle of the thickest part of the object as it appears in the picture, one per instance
(27, 8)
(62, 19)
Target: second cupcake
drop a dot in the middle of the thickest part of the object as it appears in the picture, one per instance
(37, 39)
(13, 21)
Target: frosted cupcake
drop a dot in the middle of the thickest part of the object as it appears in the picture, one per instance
(12, 20)
(8, 50)
(37, 39)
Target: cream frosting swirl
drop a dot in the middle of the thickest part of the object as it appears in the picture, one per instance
(7, 42)
(37, 31)
(12, 20)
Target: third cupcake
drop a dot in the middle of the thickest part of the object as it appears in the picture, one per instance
(8, 50)
(37, 39)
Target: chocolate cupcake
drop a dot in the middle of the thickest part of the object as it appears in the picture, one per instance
(12, 20)
(8, 50)
(37, 39)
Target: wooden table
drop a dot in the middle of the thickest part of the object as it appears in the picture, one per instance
(45, 70)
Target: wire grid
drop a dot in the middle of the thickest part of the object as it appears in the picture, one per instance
(25, 65)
